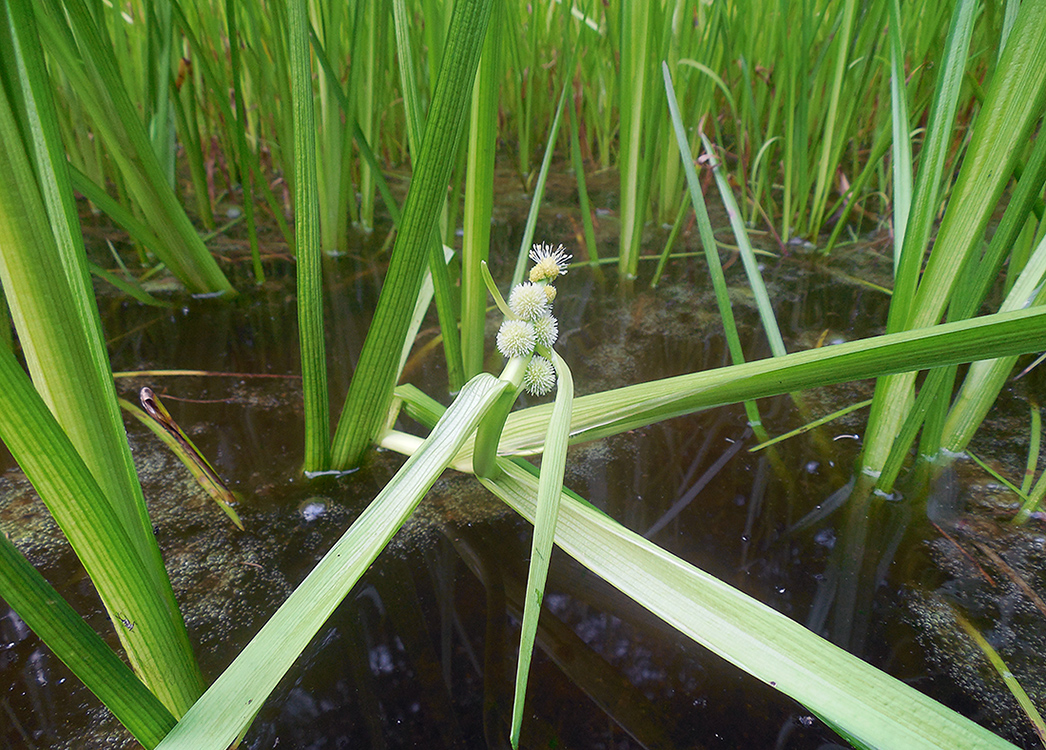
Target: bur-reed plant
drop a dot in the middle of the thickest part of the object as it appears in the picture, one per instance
(830, 682)
(866, 706)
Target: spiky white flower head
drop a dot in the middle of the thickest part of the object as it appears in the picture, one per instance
(539, 377)
(516, 338)
(548, 262)
(529, 301)
(546, 330)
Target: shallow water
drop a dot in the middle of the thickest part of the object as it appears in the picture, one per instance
(421, 652)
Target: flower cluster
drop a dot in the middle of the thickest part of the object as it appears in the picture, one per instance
(533, 324)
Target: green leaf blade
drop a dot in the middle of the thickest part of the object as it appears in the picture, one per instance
(868, 705)
(549, 491)
(371, 390)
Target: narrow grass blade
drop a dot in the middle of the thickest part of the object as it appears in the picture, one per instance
(538, 196)
(1015, 688)
(123, 217)
(811, 425)
(374, 380)
(1034, 445)
(130, 288)
(715, 268)
(549, 491)
(230, 704)
(902, 143)
(673, 235)
(755, 279)
(309, 266)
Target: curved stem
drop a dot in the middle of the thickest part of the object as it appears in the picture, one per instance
(488, 434)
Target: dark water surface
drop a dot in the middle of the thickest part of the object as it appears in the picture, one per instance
(422, 651)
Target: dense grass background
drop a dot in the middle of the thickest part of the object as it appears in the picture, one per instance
(797, 94)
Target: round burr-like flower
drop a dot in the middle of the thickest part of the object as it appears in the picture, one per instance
(529, 301)
(548, 262)
(546, 330)
(539, 377)
(516, 338)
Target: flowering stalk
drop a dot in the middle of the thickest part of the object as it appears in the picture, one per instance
(525, 338)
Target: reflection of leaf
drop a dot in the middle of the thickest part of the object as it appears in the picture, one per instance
(157, 419)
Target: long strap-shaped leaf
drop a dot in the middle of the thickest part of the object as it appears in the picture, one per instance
(479, 196)
(43, 266)
(156, 641)
(446, 305)
(865, 704)
(613, 412)
(232, 701)
(307, 244)
(375, 378)
(550, 489)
